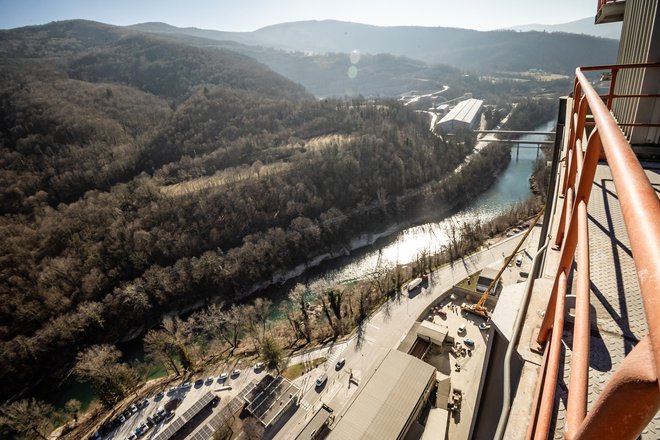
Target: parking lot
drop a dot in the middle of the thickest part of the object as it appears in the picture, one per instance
(146, 419)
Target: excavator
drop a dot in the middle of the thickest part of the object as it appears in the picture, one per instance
(479, 308)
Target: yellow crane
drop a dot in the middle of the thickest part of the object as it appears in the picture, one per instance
(479, 308)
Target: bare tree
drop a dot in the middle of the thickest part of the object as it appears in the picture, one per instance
(159, 347)
(252, 429)
(29, 418)
(180, 335)
(326, 311)
(232, 325)
(381, 280)
(304, 323)
(72, 409)
(111, 380)
(254, 318)
(262, 308)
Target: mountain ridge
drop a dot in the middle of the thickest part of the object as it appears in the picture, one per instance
(500, 50)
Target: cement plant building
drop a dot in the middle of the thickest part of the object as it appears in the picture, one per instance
(466, 115)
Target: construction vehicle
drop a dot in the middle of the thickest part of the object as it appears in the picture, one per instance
(479, 308)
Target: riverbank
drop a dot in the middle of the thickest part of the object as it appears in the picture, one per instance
(244, 357)
(402, 241)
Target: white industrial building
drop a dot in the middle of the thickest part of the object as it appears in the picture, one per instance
(466, 115)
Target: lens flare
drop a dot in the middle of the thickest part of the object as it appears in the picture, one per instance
(354, 57)
(352, 72)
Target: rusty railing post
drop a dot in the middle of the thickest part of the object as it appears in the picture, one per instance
(628, 402)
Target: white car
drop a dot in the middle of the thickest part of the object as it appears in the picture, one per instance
(223, 377)
(322, 379)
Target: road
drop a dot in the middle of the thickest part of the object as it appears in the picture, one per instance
(383, 331)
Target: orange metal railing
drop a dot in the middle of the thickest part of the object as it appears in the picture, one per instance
(612, 415)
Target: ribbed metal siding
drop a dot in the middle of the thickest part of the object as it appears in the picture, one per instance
(640, 43)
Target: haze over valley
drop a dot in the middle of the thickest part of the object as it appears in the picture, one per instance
(191, 191)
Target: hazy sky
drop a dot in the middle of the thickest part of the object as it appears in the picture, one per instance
(248, 15)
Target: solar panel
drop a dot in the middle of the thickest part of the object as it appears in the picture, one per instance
(190, 413)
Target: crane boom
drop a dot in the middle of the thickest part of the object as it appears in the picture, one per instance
(479, 308)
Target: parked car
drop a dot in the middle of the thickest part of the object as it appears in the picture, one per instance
(461, 329)
(159, 396)
(340, 364)
(235, 373)
(322, 379)
(223, 377)
(468, 342)
(133, 408)
(171, 391)
(199, 383)
(484, 326)
(519, 260)
(258, 366)
(185, 385)
(122, 418)
(210, 380)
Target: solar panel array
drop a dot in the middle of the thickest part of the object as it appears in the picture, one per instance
(177, 424)
(262, 398)
(256, 388)
(288, 391)
(260, 405)
(220, 419)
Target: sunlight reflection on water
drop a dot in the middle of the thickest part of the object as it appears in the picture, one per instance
(511, 187)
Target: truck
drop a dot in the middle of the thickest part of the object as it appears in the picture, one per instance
(413, 284)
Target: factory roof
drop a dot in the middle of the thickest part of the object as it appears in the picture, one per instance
(387, 400)
(465, 111)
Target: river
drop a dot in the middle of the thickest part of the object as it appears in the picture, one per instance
(511, 186)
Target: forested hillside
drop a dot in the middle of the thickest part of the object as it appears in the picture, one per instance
(142, 176)
(490, 51)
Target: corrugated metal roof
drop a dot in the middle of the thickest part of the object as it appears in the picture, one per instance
(386, 400)
(465, 111)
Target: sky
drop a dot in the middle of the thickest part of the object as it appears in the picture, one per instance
(249, 15)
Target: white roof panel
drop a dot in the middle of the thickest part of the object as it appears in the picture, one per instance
(464, 111)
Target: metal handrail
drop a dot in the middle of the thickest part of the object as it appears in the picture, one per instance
(641, 211)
